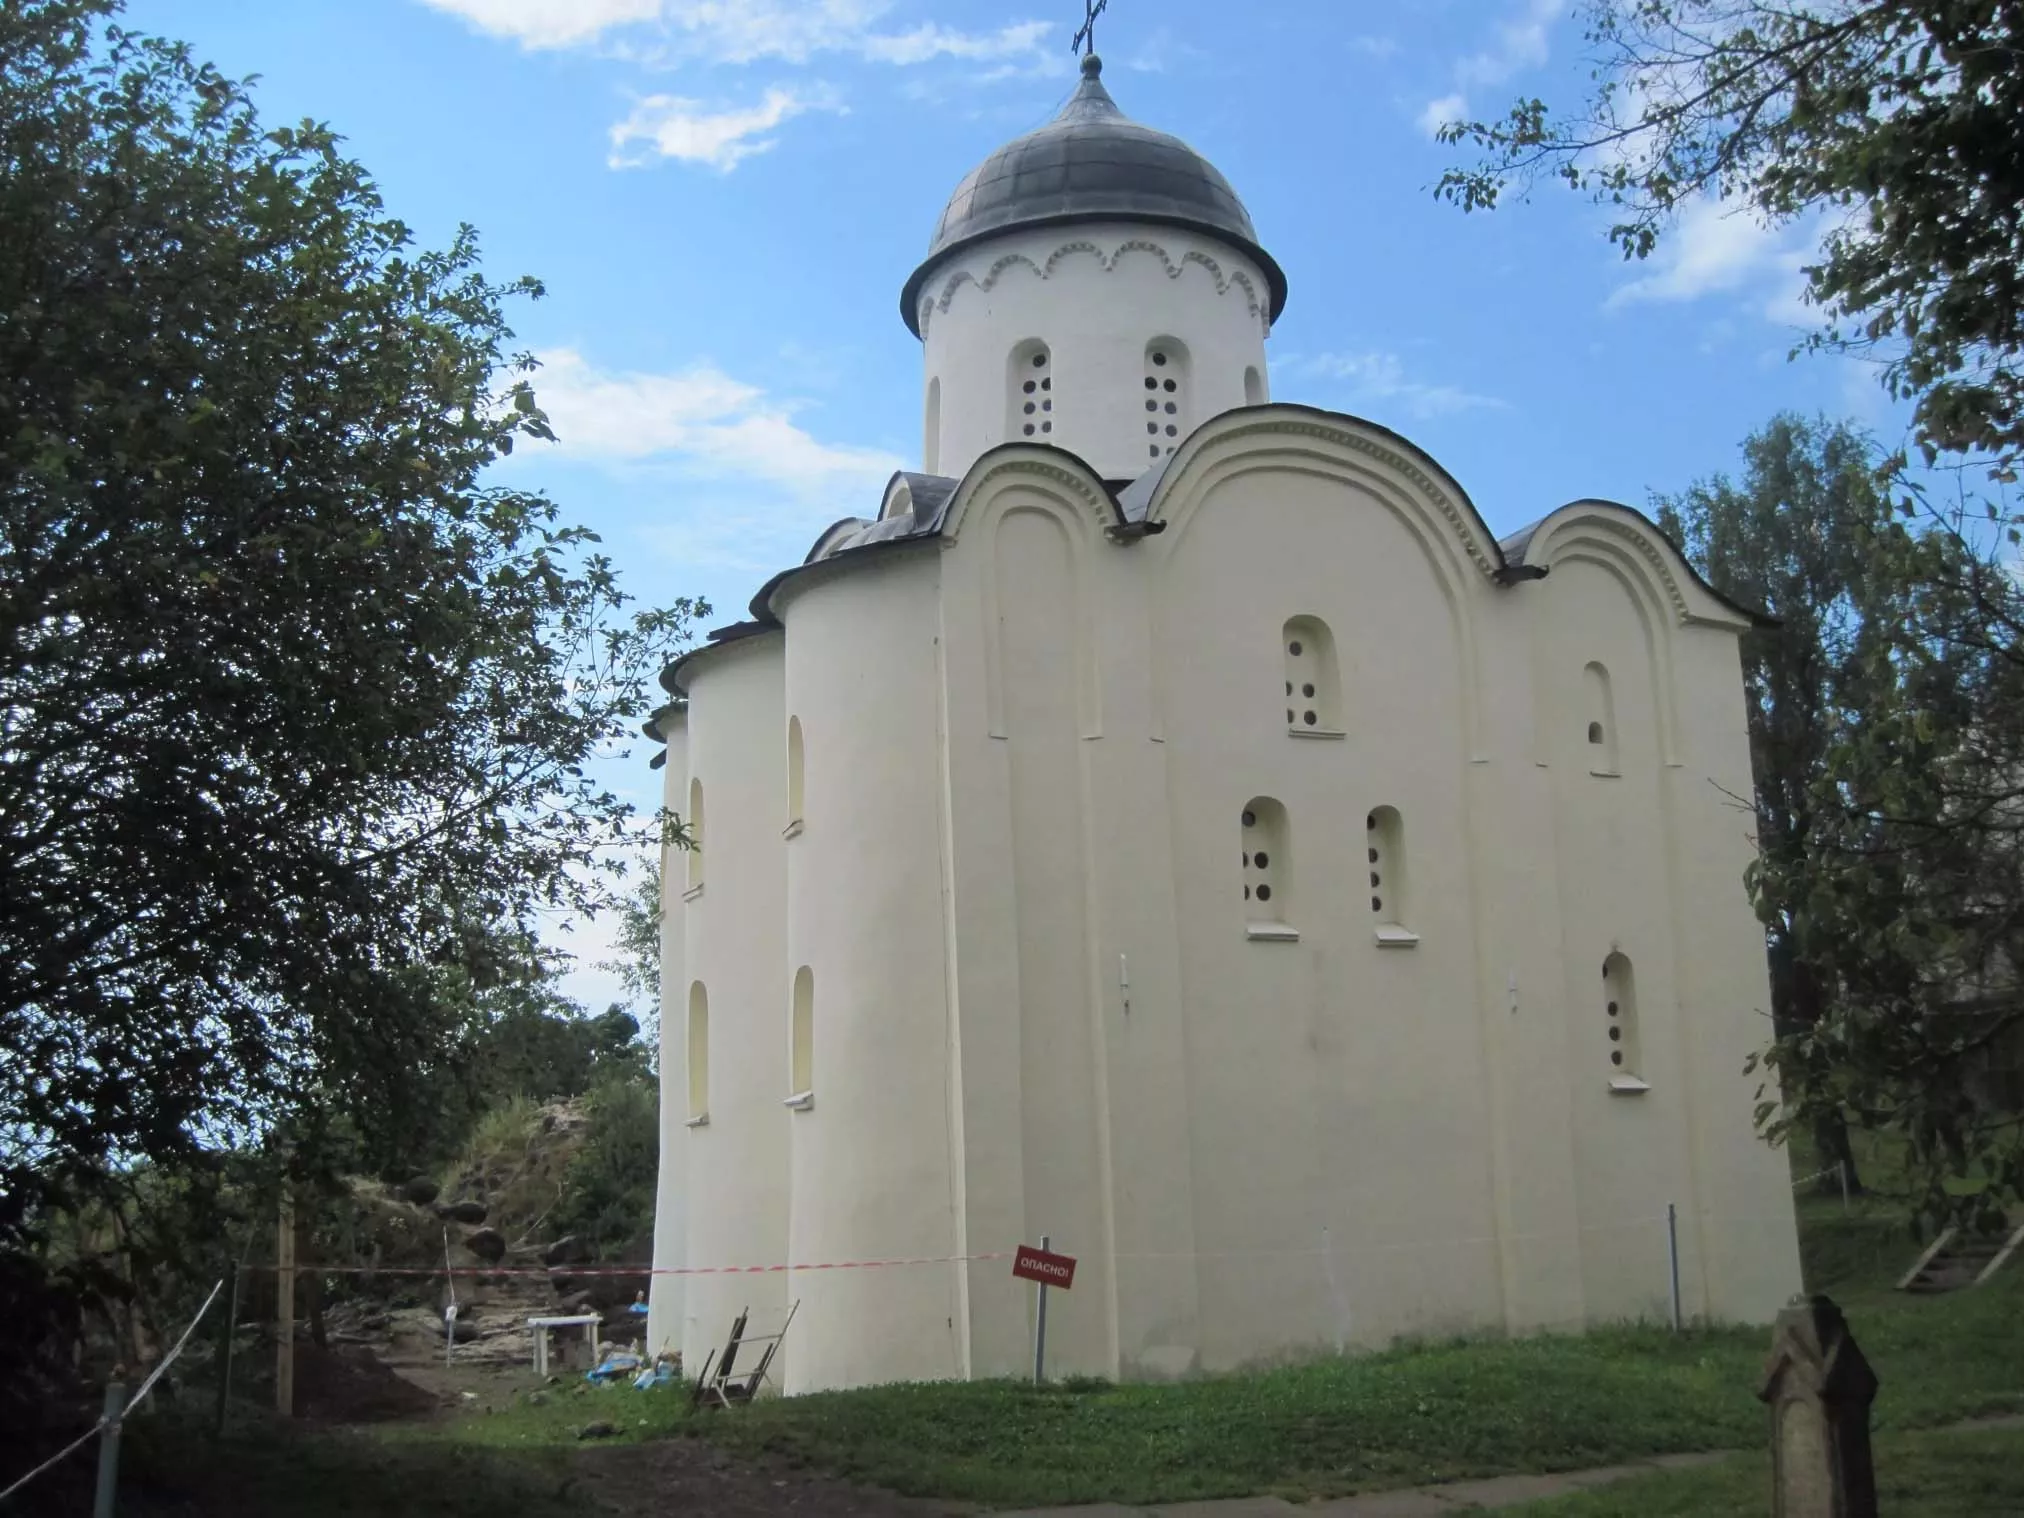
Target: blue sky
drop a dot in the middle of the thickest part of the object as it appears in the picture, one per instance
(723, 198)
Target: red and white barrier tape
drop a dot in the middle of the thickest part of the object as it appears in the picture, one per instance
(575, 1271)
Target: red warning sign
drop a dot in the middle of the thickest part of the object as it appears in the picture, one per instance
(1044, 1266)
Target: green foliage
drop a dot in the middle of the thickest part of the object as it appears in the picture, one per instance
(300, 707)
(1894, 122)
(1795, 538)
(608, 1189)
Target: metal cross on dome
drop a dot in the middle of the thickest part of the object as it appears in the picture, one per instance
(1085, 40)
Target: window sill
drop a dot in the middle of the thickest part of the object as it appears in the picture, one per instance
(792, 830)
(700, 1120)
(1272, 932)
(1315, 732)
(1627, 1085)
(801, 1102)
(693, 892)
(1392, 936)
(1605, 772)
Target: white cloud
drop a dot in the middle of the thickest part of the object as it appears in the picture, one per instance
(743, 31)
(1516, 44)
(1372, 376)
(1438, 113)
(1716, 248)
(702, 421)
(668, 126)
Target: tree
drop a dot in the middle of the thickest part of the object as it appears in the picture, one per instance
(1912, 892)
(1796, 537)
(298, 704)
(1895, 122)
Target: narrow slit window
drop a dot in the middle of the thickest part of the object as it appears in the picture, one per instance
(1599, 703)
(1166, 396)
(699, 1053)
(1267, 862)
(1029, 393)
(695, 829)
(1385, 858)
(1254, 386)
(801, 1035)
(1619, 1007)
(931, 428)
(794, 774)
(1313, 684)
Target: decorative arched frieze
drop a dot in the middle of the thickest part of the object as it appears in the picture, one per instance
(1457, 548)
(1656, 560)
(1013, 465)
(1225, 279)
(1062, 497)
(1656, 621)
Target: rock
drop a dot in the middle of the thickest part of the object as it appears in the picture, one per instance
(462, 1331)
(567, 1250)
(576, 1301)
(488, 1244)
(461, 1212)
(420, 1190)
(598, 1430)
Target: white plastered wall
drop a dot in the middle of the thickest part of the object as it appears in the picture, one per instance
(867, 899)
(1096, 295)
(1038, 1007)
(665, 1299)
(735, 945)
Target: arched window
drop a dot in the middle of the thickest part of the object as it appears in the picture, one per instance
(801, 1040)
(1313, 686)
(1619, 1004)
(1254, 386)
(1166, 395)
(931, 446)
(1267, 868)
(1029, 392)
(699, 1055)
(695, 825)
(1600, 707)
(1385, 852)
(794, 768)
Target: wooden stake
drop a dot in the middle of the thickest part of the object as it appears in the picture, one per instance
(284, 1310)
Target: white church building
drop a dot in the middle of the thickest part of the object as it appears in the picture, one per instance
(962, 956)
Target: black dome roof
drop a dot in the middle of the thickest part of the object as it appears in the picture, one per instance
(1091, 163)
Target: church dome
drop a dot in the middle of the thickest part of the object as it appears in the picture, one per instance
(1091, 163)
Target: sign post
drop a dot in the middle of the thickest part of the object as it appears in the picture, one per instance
(1044, 1269)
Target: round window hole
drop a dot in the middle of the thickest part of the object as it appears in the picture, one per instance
(1615, 1035)
(1377, 903)
(1612, 1009)
(1159, 358)
(1172, 409)
(1370, 823)
(1029, 429)
(1373, 880)
(1373, 856)
(1047, 384)
(1172, 430)
(1029, 408)
(1040, 361)
(1264, 893)
(1047, 426)
(1151, 383)
(1247, 893)
(1154, 450)
(1030, 387)
(1289, 687)
(1261, 861)
(1308, 718)
(1250, 819)
(1172, 386)
(1152, 405)
(1306, 690)
(1616, 1056)
(1293, 649)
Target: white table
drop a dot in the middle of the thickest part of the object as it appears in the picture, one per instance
(588, 1321)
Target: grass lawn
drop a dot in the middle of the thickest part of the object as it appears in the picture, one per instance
(1414, 1415)
(1940, 1473)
